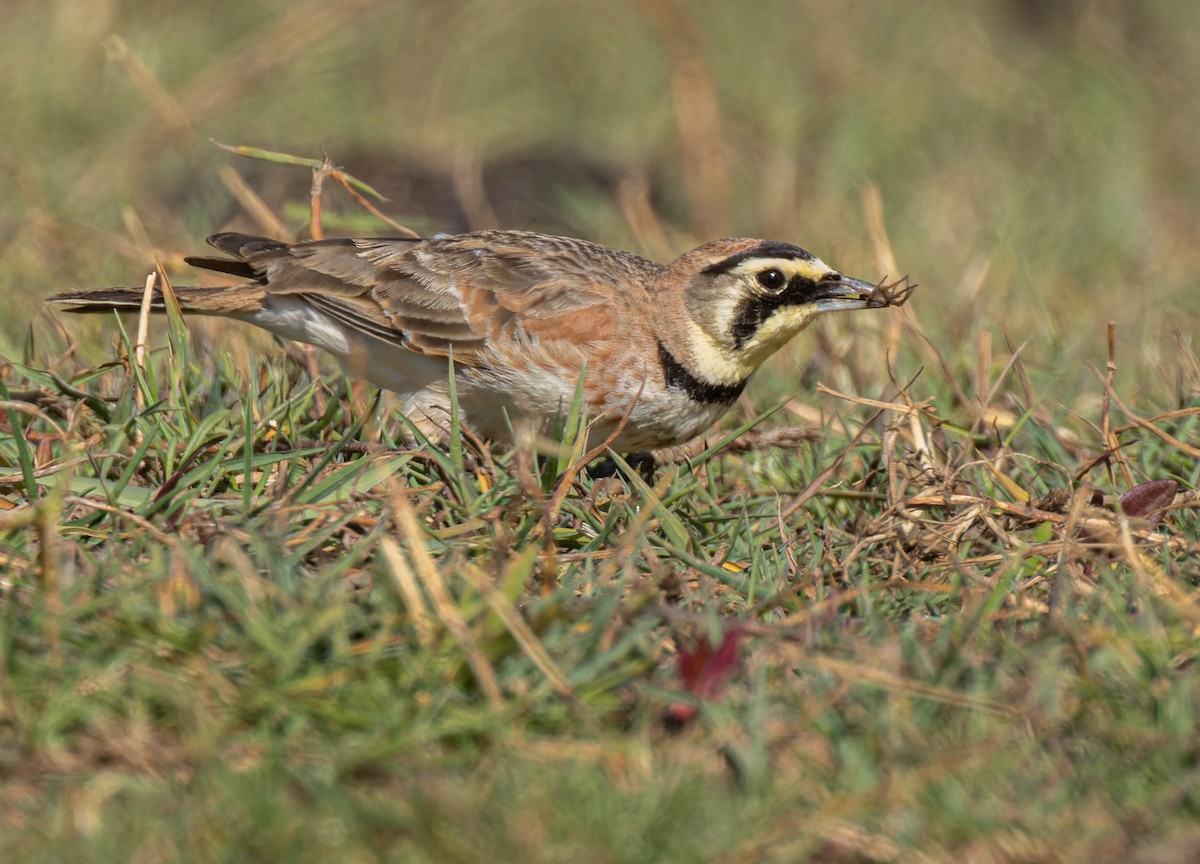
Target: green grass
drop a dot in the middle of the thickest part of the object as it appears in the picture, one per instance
(238, 621)
(220, 655)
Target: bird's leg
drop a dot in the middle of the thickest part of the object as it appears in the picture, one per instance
(642, 462)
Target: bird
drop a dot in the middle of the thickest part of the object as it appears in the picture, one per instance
(662, 350)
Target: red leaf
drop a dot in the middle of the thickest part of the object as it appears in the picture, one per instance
(1149, 500)
(706, 671)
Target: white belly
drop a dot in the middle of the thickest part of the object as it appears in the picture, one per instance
(657, 416)
(493, 402)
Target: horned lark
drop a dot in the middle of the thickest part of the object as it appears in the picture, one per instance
(663, 350)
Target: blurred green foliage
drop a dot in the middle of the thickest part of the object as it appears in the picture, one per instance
(1052, 143)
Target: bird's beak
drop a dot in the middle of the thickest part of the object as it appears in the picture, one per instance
(837, 292)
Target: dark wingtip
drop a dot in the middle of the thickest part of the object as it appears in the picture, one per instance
(238, 268)
(241, 248)
(241, 245)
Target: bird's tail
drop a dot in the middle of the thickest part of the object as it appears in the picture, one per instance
(231, 300)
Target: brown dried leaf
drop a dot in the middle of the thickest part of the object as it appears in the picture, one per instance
(1149, 500)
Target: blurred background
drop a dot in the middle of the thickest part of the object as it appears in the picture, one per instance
(1036, 162)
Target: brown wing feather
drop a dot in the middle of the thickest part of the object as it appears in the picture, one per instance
(466, 292)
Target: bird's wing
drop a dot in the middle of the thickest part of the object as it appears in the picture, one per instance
(467, 292)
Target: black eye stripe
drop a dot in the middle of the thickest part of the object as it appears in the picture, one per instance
(753, 311)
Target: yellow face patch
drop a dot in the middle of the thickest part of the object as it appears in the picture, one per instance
(715, 361)
(721, 363)
(748, 310)
(783, 324)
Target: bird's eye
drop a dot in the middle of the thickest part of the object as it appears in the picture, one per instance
(773, 279)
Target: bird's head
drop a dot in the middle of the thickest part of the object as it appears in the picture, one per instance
(746, 298)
